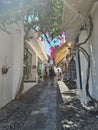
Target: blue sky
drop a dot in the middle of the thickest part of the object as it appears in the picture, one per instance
(53, 43)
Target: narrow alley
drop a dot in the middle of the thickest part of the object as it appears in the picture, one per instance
(48, 64)
(47, 107)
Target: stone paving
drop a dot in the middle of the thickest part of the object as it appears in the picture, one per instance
(74, 114)
(48, 107)
(68, 115)
(44, 116)
(14, 115)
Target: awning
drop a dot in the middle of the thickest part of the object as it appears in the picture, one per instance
(74, 16)
(62, 52)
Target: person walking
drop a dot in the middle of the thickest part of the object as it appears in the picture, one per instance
(45, 75)
(59, 75)
(52, 75)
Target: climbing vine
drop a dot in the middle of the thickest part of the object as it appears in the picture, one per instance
(49, 13)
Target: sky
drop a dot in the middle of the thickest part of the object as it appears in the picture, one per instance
(54, 42)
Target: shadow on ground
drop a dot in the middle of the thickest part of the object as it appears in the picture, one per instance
(73, 116)
(14, 114)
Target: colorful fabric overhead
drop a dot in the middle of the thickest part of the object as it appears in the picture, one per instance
(52, 53)
(63, 36)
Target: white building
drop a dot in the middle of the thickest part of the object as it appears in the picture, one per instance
(37, 60)
(80, 27)
(12, 56)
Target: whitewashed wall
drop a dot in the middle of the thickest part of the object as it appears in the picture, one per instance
(92, 48)
(94, 51)
(11, 54)
(34, 63)
(78, 81)
(84, 69)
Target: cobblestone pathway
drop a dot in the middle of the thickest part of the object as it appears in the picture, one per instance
(73, 115)
(14, 115)
(36, 110)
(47, 107)
(44, 116)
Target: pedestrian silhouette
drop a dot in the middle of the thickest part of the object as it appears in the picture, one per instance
(52, 75)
